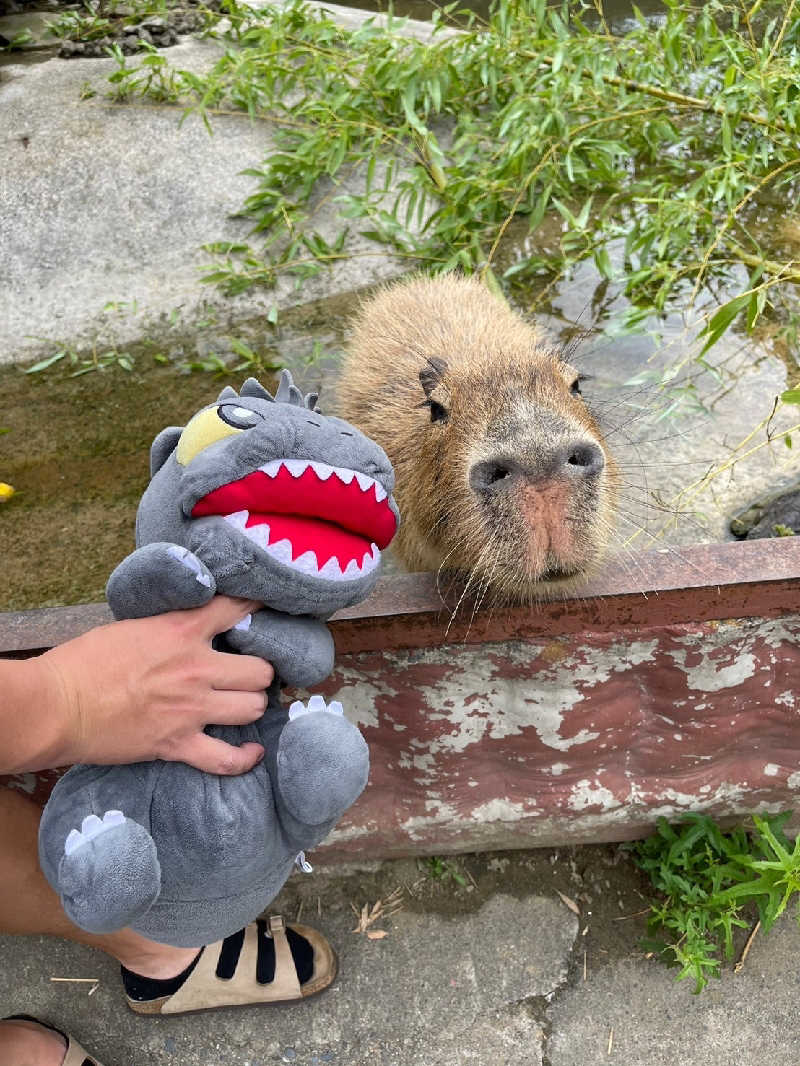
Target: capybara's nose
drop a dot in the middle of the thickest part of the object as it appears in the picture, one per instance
(581, 458)
(577, 459)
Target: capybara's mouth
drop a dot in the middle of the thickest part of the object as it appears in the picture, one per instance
(326, 521)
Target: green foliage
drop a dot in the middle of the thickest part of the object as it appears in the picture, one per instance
(666, 156)
(707, 878)
(442, 870)
(17, 42)
(83, 364)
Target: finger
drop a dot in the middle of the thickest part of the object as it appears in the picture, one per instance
(240, 673)
(223, 612)
(235, 708)
(216, 757)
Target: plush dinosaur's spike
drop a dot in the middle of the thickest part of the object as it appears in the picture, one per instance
(228, 393)
(288, 392)
(254, 388)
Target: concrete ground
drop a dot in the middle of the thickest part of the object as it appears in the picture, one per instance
(485, 964)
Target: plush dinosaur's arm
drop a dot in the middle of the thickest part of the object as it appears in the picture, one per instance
(300, 648)
(157, 578)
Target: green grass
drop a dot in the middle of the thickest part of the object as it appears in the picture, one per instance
(668, 156)
(710, 882)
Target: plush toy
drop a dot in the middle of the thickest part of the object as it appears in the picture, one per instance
(266, 499)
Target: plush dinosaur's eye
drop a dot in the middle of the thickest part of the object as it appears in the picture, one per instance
(239, 417)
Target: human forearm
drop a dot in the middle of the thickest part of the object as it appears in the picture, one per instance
(34, 716)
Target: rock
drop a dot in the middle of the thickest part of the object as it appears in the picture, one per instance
(145, 36)
(774, 516)
(155, 25)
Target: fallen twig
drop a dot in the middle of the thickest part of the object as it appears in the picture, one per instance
(740, 964)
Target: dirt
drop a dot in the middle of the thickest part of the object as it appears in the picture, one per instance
(610, 893)
(77, 456)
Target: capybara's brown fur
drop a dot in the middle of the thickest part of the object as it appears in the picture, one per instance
(502, 471)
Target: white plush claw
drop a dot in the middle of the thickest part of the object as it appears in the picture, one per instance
(245, 623)
(316, 703)
(334, 707)
(191, 562)
(73, 841)
(302, 863)
(91, 826)
(112, 818)
(297, 709)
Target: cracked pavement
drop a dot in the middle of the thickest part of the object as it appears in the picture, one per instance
(484, 964)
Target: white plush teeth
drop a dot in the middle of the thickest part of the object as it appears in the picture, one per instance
(331, 570)
(322, 470)
(307, 562)
(352, 569)
(259, 535)
(282, 551)
(296, 467)
(238, 519)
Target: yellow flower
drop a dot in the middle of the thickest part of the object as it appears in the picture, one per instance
(6, 491)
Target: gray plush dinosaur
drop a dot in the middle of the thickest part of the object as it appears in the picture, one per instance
(269, 500)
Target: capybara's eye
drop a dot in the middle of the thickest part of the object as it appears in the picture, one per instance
(239, 417)
(575, 387)
(438, 413)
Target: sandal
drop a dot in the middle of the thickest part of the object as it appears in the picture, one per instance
(76, 1056)
(207, 987)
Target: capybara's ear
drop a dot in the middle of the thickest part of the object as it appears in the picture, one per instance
(432, 375)
(163, 446)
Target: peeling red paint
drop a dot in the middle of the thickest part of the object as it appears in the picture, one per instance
(580, 721)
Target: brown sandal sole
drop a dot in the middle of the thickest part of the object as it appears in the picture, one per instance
(203, 990)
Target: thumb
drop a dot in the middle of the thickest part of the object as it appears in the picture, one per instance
(216, 757)
(223, 612)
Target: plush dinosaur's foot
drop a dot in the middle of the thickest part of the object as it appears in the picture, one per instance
(323, 762)
(109, 874)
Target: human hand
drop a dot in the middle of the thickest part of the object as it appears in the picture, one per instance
(144, 689)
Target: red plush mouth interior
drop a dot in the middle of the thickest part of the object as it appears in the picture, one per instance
(325, 516)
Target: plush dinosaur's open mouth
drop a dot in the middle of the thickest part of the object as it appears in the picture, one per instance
(323, 520)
